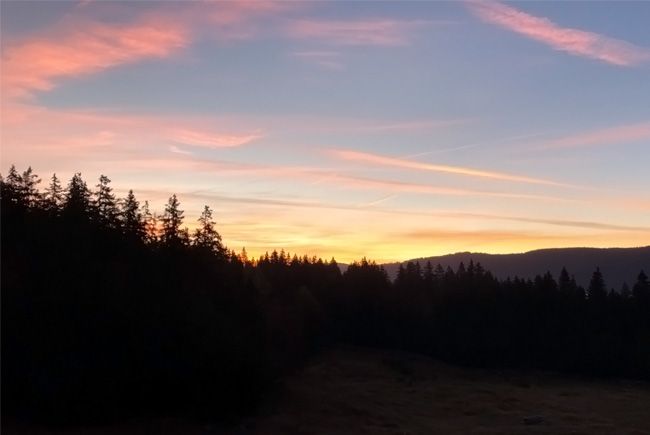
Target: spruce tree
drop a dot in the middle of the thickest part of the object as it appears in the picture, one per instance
(77, 198)
(172, 220)
(53, 198)
(206, 236)
(132, 223)
(641, 290)
(27, 190)
(11, 189)
(150, 222)
(104, 204)
(597, 291)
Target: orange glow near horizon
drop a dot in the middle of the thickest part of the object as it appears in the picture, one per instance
(344, 131)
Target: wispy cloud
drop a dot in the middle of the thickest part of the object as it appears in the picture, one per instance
(57, 135)
(573, 41)
(327, 59)
(607, 136)
(478, 238)
(174, 149)
(320, 176)
(80, 45)
(377, 201)
(457, 170)
(399, 186)
(555, 222)
(239, 20)
(379, 32)
(210, 139)
(35, 64)
(408, 126)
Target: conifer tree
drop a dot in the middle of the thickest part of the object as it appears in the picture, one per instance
(132, 222)
(597, 291)
(77, 198)
(568, 286)
(150, 222)
(641, 290)
(172, 220)
(564, 281)
(206, 236)
(54, 197)
(11, 188)
(27, 190)
(243, 256)
(105, 204)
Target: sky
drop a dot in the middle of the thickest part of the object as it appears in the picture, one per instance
(390, 130)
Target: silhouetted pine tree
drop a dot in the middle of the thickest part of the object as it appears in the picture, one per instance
(11, 191)
(27, 188)
(132, 223)
(104, 203)
(150, 224)
(171, 233)
(77, 198)
(641, 290)
(54, 196)
(206, 236)
(597, 292)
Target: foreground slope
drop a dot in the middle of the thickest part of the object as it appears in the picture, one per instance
(353, 391)
(618, 265)
(361, 391)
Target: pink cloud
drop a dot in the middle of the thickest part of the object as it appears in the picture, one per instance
(35, 64)
(399, 186)
(375, 159)
(242, 19)
(210, 139)
(380, 32)
(176, 150)
(607, 136)
(314, 176)
(573, 41)
(55, 135)
(81, 45)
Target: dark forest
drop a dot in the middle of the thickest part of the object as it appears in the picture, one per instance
(109, 311)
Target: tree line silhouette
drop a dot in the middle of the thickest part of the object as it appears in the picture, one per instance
(111, 311)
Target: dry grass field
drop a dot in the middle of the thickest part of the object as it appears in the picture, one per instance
(361, 391)
(353, 391)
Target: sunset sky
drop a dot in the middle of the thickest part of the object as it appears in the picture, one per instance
(390, 130)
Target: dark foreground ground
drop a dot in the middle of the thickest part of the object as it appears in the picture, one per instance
(360, 391)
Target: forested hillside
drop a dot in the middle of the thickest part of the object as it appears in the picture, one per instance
(109, 311)
(619, 265)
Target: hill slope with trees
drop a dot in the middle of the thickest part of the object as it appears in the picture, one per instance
(110, 311)
(619, 265)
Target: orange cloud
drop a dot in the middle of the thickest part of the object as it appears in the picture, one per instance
(36, 63)
(573, 41)
(555, 222)
(607, 136)
(380, 32)
(409, 164)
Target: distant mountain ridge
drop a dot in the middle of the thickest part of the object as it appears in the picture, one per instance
(618, 265)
